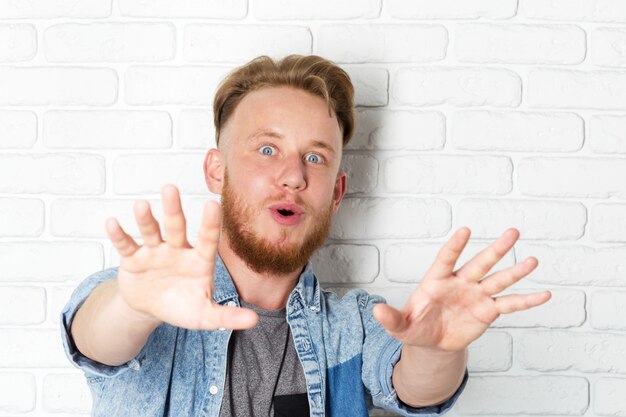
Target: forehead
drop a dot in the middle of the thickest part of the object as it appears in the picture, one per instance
(291, 112)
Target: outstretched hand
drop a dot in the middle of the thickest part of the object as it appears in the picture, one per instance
(450, 309)
(169, 280)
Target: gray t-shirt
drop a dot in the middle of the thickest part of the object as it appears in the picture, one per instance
(264, 376)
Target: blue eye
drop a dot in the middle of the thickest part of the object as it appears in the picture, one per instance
(267, 150)
(314, 159)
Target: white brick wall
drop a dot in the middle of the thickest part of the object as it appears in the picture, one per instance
(479, 113)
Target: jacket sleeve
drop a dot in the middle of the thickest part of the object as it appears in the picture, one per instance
(381, 352)
(80, 294)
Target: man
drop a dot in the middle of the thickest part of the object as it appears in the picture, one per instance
(155, 337)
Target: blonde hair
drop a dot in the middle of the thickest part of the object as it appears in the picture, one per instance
(310, 73)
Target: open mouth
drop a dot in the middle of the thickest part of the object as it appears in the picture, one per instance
(288, 214)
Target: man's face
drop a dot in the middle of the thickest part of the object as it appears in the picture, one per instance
(281, 182)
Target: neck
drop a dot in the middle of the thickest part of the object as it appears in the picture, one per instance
(265, 290)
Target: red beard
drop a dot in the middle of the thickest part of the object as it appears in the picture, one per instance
(260, 255)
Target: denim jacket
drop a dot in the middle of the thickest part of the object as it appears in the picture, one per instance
(346, 355)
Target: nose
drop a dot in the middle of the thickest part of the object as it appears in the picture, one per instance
(292, 174)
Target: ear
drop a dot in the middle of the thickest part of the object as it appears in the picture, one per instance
(214, 171)
(341, 183)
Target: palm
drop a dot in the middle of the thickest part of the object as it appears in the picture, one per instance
(451, 309)
(171, 281)
(175, 286)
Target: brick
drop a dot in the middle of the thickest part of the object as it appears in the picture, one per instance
(452, 9)
(382, 43)
(66, 393)
(521, 394)
(583, 10)
(58, 297)
(607, 134)
(53, 173)
(172, 85)
(591, 352)
(606, 47)
(517, 131)
(362, 172)
(122, 210)
(87, 217)
(212, 9)
(370, 86)
(572, 177)
(607, 310)
(146, 174)
(59, 86)
(19, 42)
(321, 9)
(578, 265)
(107, 129)
(22, 217)
(448, 174)
(241, 43)
(18, 129)
(492, 352)
(19, 391)
(31, 348)
(461, 87)
(113, 42)
(193, 209)
(520, 44)
(608, 222)
(55, 262)
(398, 130)
(50, 9)
(549, 220)
(396, 295)
(346, 264)
(22, 305)
(195, 129)
(609, 397)
(367, 218)
(576, 89)
(409, 262)
(565, 309)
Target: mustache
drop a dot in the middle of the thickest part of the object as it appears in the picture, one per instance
(285, 199)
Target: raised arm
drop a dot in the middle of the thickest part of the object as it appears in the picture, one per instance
(449, 310)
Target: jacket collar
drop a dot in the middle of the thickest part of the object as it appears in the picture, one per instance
(307, 288)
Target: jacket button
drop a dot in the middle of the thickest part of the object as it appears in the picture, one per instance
(305, 345)
(134, 365)
(213, 390)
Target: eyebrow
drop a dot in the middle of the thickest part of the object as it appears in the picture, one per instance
(274, 134)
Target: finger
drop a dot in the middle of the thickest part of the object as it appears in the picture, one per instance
(174, 219)
(519, 302)
(148, 226)
(448, 255)
(482, 263)
(123, 243)
(502, 280)
(209, 235)
(227, 317)
(391, 319)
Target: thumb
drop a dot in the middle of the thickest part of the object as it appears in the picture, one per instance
(230, 317)
(390, 318)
